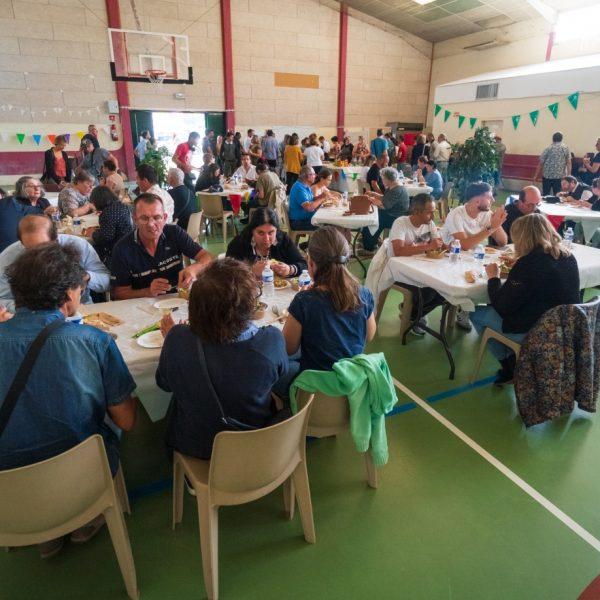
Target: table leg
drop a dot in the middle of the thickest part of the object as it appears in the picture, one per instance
(418, 297)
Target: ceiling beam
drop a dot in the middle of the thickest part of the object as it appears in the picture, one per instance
(545, 11)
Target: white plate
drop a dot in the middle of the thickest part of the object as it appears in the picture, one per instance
(284, 287)
(170, 303)
(152, 339)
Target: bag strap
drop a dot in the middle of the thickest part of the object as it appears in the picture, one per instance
(229, 421)
(20, 381)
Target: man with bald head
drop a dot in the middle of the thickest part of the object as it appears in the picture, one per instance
(35, 230)
(528, 202)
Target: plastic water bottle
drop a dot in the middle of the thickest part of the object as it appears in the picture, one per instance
(345, 198)
(479, 254)
(268, 287)
(455, 248)
(304, 280)
(415, 179)
(77, 226)
(568, 237)
(56, 217)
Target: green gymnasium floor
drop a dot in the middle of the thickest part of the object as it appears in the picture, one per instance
(444, 523)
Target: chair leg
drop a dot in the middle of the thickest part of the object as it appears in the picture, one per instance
(381, 302)
(452, 317)
(405, 319)
(178, 492)
(484, 341)
(300, 482)
(120, 541)
(371, 471)
(224, 230)
(289, 500)
(121, 491)
(209, 544)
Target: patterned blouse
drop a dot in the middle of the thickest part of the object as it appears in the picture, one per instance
(69, 200)
(554, 161)
(115, 222)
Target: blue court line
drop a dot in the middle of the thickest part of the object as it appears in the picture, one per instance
(163, 484)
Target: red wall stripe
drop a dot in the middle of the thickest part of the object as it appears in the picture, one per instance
(227, 64)
(343, 55)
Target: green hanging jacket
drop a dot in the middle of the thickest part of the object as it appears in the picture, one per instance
(366, 380)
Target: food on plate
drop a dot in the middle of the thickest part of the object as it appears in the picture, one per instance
(437, 253)
(141, 332)
(260, 310)
(294, 282)
(470, 277)
(490, 250)
(279, 283)
(183, 293)
(102, 320)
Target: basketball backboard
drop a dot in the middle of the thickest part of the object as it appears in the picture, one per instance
(135, 53)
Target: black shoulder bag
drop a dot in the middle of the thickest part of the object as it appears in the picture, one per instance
(230, 422)
(20, 380)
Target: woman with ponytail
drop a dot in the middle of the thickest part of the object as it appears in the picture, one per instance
(334, 319)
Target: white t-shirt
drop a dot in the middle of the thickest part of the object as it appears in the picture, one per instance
(459, 221)
(326, 146)
(442, 151)
(250, 174)
(247, 144)
(168, 202)
(314, 156)
(403, 229)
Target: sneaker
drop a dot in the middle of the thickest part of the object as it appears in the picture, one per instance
(417, 328)
(51, 548)
(188, 486)
(462, 320)
(87, 532)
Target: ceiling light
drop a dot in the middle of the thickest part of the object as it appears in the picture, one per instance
(423, 2)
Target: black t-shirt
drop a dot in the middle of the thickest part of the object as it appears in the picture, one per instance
(184, 204)
(578, 191)
(374, 175)
(512, 214)
(132, 265)
(257, 364)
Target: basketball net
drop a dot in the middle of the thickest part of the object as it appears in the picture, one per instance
(156, 76)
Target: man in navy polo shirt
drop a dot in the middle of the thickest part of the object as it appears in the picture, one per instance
(148, 261)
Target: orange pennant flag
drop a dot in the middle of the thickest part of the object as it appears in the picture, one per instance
(51, 137)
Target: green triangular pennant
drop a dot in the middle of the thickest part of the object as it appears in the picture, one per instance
(533, 115)
(20, 137)
(574, 99)
(437, 109)
(472, 121)
(553, 108)
(447, 114)
(461, 120)
(515, 120)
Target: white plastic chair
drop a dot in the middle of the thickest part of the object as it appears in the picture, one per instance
(194, 227)
(54, 497)
(212, 210)
(490, 334)
(245, 466)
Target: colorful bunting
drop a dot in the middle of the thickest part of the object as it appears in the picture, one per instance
(51, 137)
(533, 115)
(437, 109)
(461, 120)
(80, 134)
(573, 99)
(515, 120)
(447, 114)
(20, 137)
(472, 121)
(553, 108)
(67, 137)
(37, 138)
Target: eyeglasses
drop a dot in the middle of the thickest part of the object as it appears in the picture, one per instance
(33, 187)
(145, 220)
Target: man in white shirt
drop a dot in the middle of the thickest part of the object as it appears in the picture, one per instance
(248, 140)
(441, 154)
(324, 144)
(473, 223)
(416, 234)
(148, 183)
(314, 156)
(247, 171)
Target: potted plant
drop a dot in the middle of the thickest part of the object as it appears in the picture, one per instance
(475, 160)
(158, 160)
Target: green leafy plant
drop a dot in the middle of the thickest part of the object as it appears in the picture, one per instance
(158, 159)
(475, 160)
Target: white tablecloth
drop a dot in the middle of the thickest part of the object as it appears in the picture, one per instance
(413, 189)
(138, 314)
(449, 280)
(229, 192)
(52, 197)
(86, 221)
(335, 216)
(589, 219)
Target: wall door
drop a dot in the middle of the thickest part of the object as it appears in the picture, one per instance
(140, 121)
(216, 121)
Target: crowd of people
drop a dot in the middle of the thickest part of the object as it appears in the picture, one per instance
(138, 251)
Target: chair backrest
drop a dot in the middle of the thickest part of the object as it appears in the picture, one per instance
(329, 415)
(447, 191)
(407, 170)
(285, 214)
(245, 464)
(211, 206)
(54, 497)
(194, 225)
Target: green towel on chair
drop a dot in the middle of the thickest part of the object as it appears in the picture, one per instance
(366, 381)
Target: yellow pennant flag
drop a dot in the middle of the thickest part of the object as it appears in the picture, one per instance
(80, 134)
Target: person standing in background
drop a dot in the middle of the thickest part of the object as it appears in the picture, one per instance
(501, 151)
(430, 145)
(230, 155)
(417, 150)
(91, 135)
(555, 163)
(270, 149)
(292, 161)
(379, 145)
(183, 158)
(142, 147)
(591, 165)
(441, 155)
(248, 140)
(56, 163)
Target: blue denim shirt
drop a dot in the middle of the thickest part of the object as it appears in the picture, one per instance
(77, 376)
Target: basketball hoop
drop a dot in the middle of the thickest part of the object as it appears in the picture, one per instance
(156, 76)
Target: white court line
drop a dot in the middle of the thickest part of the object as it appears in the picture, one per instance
(552, 508)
